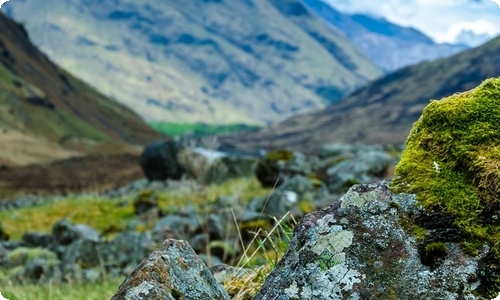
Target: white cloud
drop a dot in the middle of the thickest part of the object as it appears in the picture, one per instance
(478, 27)
(441, 20)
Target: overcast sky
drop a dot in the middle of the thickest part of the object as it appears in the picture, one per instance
(442, 20)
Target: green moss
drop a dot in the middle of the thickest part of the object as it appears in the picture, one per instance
(435, 247)
(280, 154)
(451, 162)
(145, 200)
(176, 294)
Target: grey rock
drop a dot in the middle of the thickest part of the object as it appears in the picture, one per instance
(357, 249)
(82, 252)
(299, 184)
(364, 167)
(36, 239)
(32, 265)
(335, 150)
(174, 226)
(279, 165)
(279, 203)
(126, 250)
(64, 233)
(174, 271)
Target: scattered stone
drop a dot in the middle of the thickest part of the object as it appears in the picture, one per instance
(32, 265)
(174, 271)
(36, 239)
(279, 165)
(144, 201)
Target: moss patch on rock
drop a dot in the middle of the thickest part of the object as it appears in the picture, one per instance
(452, 164)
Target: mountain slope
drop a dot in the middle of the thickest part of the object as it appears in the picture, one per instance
(47, 114)
(389, 45)
(244, 61)
(383, 111)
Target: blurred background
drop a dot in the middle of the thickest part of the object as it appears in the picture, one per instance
(86, 85)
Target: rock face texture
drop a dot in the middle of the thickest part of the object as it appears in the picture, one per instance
(359, 248)
(174, 271)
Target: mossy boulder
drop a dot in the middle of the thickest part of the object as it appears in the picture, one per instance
(452, 164)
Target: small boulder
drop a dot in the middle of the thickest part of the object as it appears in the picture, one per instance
(65, 233)
(159, 161)
(174, 271)
(279, 165)
(36, 239)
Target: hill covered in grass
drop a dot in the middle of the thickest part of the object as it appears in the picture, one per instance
(215, 62)
(47, 114)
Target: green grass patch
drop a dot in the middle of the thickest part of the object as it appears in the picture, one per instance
(98, 212)
(110, 215)
(197, 129)
(87, 291)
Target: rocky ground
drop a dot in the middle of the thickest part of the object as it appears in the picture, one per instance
(208, 206)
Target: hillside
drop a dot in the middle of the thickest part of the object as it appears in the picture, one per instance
(388, 45)
(244, 61)
(383, 111)
(46, 114)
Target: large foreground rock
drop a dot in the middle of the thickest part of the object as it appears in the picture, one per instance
(360, 248)
(174, 271)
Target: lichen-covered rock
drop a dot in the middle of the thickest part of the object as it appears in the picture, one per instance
(360, 248)
(451, 163)
(174, 271)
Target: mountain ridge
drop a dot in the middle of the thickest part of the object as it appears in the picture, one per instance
(380, 112)
(389, 45)
(201, 61)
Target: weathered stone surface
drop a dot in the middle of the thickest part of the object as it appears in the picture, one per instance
(357, 248)
(174, 271)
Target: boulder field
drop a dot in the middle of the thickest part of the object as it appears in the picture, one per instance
(431, 233)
